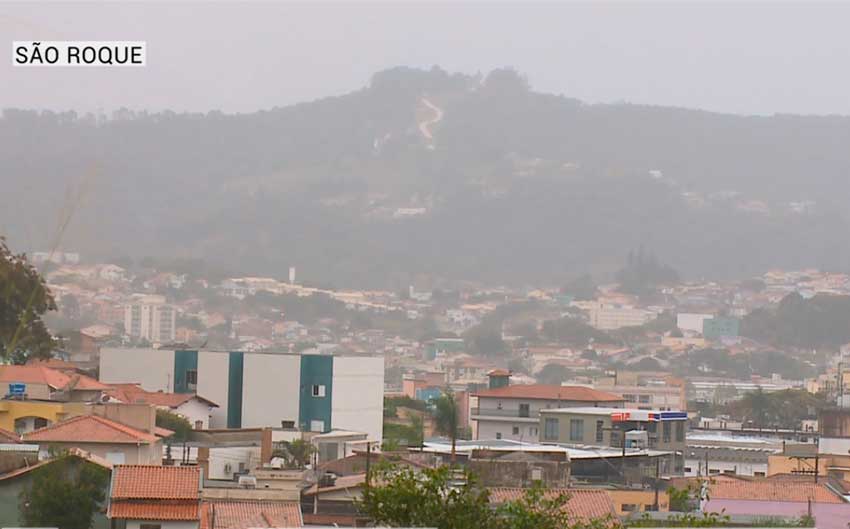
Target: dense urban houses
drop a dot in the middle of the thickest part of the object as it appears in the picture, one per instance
(315, 392)
(507, 411)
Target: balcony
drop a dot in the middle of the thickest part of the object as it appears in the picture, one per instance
(524, 414)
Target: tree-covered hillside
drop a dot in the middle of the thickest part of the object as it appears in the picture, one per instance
(513, 185)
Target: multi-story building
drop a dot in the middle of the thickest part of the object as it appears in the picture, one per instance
(316, 392)
(511, 412)
(661, 398)
(608, 317)
(150, 318)
(712, 454)
(619, 427)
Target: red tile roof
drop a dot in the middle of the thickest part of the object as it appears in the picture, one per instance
(134, 394)
(499, 373)
(783, 490)
(9, 437)
(90, 429)
(41, 374)
(155, 510)
(248, 514)
(550, 392)
(583, 504)
(150, 482)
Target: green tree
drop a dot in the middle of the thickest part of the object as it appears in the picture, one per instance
(64, 494)
(451, 498)
(297, 453)
(176, 423)
(446, 417)
(24, 298)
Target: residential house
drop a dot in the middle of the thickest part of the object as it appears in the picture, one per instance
(15, 480)
(39, 382)
(113, 441)
(144, 497)
(241, 514)
(512, 411)
(194, 408)
(583, 505)
(787, 496)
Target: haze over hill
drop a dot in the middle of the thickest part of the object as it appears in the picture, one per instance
(431, 174)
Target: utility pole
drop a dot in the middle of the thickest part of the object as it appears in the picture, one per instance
(368, 461)
(657, 475)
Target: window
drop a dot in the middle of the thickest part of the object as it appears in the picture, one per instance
(680, 432)
(515, 430)
(192, 377)
(629, 507)
(600, 433)
(576, 429)
(665, 428)
(499, 405)
(758, 474)
(524, 410)
(643, 399)
(317, 426)
(713, 471)
(498, 435)
(629, 397)
(39, 422)
(550, 430)
(687, 470)
(318, 390)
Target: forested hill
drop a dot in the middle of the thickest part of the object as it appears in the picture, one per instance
(435, 175)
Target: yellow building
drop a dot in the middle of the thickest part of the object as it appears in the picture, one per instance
(26, 415)
(627, 501)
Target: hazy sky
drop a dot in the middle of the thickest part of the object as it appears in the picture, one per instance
(759, 57)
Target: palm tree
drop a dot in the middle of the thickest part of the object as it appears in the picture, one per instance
(446, 417)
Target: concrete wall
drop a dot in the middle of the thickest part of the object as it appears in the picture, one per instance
(194, 410)
(270, 389)
(133, 455)
(527, 431)
(358, 395)
(152, 368)
(212, 384)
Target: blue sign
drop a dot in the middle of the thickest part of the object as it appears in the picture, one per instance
(16, 389)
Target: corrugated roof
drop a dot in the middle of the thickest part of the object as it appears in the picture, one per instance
(550, 392)
(155, 482)
(90, 429)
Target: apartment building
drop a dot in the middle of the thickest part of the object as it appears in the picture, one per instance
(661, 398)
(609, 317)
(150, 318)
(511, 412)
(315, 392)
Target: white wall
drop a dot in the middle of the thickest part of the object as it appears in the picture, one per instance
(528, 432)
(740, 469)
(270, 389)
(195, 410)
(691, 322)
(212, 384)
(357, 401)
(152, 368)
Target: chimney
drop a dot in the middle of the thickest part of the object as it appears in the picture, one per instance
(266, 446)
(204, 461)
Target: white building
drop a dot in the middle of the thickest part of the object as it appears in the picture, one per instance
(513, 411)
(691, 322)
(150, 318)
(713, 454)
(609, 317)
(315, 392)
